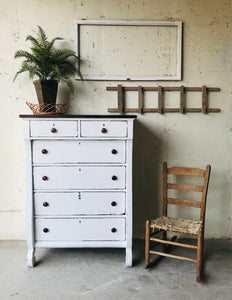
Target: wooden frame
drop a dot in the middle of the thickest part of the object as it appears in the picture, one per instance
(164, 224)
(121, 90)
(142, 24)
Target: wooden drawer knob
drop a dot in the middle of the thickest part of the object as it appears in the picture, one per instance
(113, 230)
(104, 130)
(45, 178)
(53, 130)
(44, 151)
(45, 204)
(45, 230)
(114, 151)
(114, 177)
(113, 203)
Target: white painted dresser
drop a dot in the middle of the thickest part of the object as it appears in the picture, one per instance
(79, 182)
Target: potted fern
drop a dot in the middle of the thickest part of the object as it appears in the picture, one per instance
(49, 65)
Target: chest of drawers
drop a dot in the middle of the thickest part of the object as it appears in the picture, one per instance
(79, 182)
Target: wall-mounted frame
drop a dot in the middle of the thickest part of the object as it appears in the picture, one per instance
(129, 50)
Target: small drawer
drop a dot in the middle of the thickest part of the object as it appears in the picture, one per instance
(79, 203)
(80, 229)
(73, 151)
(53, 128)
(79, 177)
(104, 129)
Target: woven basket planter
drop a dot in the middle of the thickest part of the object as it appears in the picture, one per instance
(47, 108)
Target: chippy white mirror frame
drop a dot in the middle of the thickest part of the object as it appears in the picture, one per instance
(177, 24)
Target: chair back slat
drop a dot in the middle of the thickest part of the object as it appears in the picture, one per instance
(186, 171)
(184, 202)
(185, 187)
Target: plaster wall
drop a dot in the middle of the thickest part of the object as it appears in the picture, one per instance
(187, 140)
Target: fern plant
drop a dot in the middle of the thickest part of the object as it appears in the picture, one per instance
(47, 63)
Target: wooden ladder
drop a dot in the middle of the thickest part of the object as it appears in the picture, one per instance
(161, 105)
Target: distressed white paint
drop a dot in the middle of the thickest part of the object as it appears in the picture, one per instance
(76, 203)
(94, 129)
(85, 151)
(44, 128)
(80, 229)
(80, 203)
(79, 176)
(187, 140)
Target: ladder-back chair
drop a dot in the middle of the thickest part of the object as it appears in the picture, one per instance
(164, 224)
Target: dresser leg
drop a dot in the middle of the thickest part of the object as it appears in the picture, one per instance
(31, 258)
(128, 257)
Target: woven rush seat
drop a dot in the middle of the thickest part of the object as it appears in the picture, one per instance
(177, 225)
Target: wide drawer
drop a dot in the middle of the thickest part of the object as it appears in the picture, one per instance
(80, 229)
(69, 151)
(79, 203)
(53, 129)
(79, 177)
(103, 129)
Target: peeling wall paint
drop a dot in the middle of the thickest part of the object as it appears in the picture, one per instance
(188, 140)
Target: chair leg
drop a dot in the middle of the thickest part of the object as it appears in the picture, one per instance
(199, 255)
(164, 237)
(147, 244)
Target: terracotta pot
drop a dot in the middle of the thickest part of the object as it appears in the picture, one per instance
(46, 91)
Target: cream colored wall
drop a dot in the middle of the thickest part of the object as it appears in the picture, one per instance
(188, 140)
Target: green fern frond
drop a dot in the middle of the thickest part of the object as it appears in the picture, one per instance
(42, 37)
(33, 40)
(50, 44)
(29, 67)
(25, 54)
(62, 54)
(46, 62)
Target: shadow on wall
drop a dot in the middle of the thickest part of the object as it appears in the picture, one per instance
(64, 96)
(148, 156)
